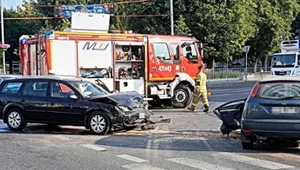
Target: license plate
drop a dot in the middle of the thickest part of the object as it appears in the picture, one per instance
(142, 115)
(280, 110)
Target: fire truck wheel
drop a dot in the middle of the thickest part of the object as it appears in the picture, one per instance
(182, 96)
(155, 102)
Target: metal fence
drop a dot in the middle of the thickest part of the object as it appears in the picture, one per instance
(242, 69)
(237, 73)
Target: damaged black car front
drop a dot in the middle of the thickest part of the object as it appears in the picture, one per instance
(132, 107)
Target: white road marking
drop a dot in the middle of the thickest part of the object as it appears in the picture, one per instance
(94, 147)
(253, 161)
(197, 164)
(141, 166)
(62, 137)
(288, 156)
(215, 95)
(3, 127)
(4, 130)
(230, 90)
(131, 158)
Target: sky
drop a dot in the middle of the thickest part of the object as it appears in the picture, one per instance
(11, 3)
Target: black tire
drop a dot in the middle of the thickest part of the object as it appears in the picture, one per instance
(15, 120)
(99, 123)
(154, 104)
(247, 146)
(182, 96)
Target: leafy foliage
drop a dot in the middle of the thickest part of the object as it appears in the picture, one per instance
(223, 26)
(223, 74)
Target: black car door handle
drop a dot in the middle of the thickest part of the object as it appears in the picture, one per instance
(22, 100)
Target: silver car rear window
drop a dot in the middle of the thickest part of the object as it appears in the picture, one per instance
(279, 90)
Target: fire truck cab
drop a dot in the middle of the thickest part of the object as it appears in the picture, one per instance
(160, 67)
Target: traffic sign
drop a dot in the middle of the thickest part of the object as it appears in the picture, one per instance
(247, 48)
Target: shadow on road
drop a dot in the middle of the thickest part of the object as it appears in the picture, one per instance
(187, 140)
(206, 141)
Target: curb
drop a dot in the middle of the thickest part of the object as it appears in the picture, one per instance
(225, 82)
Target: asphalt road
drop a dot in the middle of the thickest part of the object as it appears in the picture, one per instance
(191, 141)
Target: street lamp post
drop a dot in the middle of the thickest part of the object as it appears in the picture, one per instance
(172, 17)
(2, 37)
(246, 48)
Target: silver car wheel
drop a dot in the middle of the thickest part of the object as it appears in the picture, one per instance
(98, 123)
(14, 119)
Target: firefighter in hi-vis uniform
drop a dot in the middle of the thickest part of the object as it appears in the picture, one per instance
(200, 91)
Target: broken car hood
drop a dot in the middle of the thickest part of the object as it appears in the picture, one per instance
(128, 99)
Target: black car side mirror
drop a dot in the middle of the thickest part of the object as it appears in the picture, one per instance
(73, 96)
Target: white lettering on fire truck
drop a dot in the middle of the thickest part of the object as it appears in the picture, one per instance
(165, 68)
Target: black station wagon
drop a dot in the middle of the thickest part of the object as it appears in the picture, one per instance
(67, 101)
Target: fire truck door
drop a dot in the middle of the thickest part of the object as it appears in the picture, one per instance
(162, 66)
(176, 60)
(190, 59)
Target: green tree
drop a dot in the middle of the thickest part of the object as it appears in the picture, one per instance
(180, 26)
(274, 19)
(14, 29)
(152, 25)
(222, 26)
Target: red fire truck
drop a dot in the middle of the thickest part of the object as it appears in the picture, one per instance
(159, 66)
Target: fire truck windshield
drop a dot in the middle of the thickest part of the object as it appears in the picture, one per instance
(284, 60)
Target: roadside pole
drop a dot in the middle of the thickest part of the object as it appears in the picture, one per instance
(246, 48)
(227, 70)
(172, 17)
(2, 37)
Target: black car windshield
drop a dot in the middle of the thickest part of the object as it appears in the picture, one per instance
(284, 60)
(280, 90)
(88, 89)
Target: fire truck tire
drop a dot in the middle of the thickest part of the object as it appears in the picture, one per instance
(155, 102)
(182, 96)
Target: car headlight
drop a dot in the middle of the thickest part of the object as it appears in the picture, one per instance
(288, 72)
(124, 108)
(118, 109)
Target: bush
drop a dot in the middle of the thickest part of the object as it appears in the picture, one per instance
(222, 74)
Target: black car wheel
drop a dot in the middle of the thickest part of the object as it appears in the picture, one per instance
(247, 146)
(99, 123)
(182, 96)
(15, 120)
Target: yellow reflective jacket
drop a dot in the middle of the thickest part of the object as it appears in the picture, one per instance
(201, 82)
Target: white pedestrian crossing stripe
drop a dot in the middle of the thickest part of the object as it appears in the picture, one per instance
(131, 158)
(252, 161)
(197, 164)
(141, 167)
(204, 165)
(94, 147)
